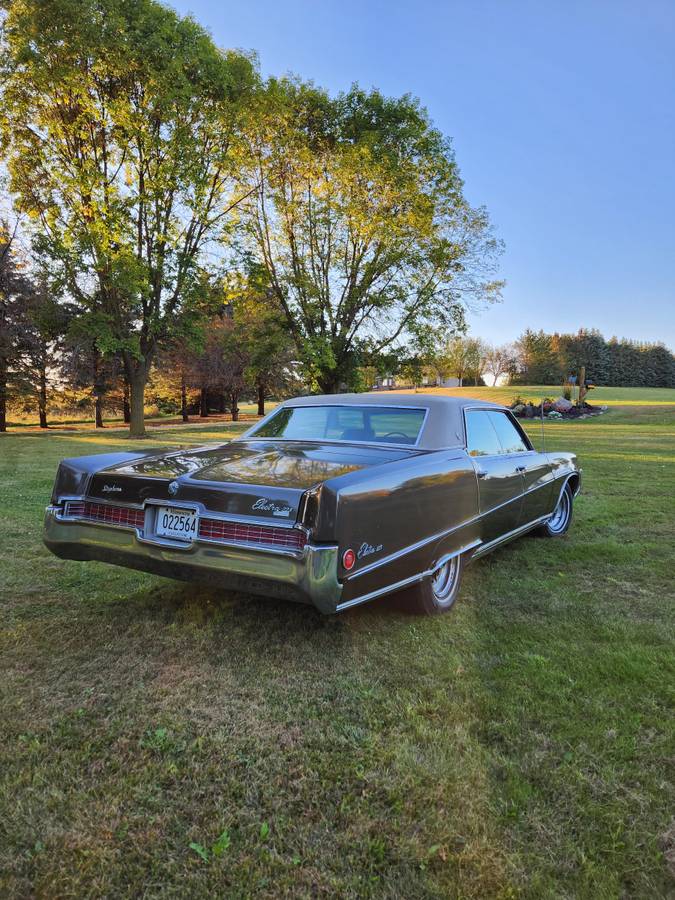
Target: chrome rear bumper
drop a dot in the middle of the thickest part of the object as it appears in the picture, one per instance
(307, 577)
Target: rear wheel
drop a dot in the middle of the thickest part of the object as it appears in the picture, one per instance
(562, 515)
(436, 593)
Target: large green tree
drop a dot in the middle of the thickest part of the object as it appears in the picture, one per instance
(459, 357)
(357, 215)
(120, 121)
(538, 362)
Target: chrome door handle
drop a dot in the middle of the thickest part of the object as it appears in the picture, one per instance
(481, 473)
(521, 468)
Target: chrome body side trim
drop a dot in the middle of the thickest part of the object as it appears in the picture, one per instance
(509, 536)
(406, 582)
(411, 548)
(567, 476)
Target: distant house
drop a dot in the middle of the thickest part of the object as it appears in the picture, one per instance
(385, 383)
(391, 382)
(437, 381)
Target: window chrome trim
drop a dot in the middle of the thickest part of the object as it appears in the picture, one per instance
(251, 436)
(509, 414)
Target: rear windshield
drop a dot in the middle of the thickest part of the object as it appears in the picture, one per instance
(379, 424)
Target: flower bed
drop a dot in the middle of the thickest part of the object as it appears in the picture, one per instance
(554, 409)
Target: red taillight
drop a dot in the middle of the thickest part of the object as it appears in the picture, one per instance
(124, 516)
(348, 559)
(242, 532)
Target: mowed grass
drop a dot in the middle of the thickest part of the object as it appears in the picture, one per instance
(521, 746)
(600, 396)
(78, 421)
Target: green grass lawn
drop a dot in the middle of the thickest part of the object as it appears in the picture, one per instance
(600, 396)
(56, 419)
(163, 740)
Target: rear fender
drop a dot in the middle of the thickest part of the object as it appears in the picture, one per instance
(74, 474)
(403, 518)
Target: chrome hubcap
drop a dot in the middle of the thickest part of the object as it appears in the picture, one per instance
(443, 582)
(558, 520)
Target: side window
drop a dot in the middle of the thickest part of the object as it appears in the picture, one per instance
(509, 436)
(481, 438)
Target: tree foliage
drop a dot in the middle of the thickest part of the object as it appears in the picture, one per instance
(459, 357)
(499, 361)
(549, 358)
(121, 123)
(16, 290)
(357, 216)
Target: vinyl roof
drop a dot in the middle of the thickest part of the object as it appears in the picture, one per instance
(444, 424)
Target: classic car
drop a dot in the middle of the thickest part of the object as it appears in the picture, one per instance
(330, 500)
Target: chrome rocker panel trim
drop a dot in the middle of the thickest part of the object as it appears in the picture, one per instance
(484, 549)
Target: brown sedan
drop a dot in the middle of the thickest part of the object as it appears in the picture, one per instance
(328, 500)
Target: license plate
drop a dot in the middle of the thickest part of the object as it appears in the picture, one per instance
(176, 523)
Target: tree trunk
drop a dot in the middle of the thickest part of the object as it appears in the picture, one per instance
(203, 403)
(99, 389)
(126, 409)
(3, 396)
(234, 397)
(137, 380)
(42, 397)
(330, 383)
(261, 399)
(183, 399)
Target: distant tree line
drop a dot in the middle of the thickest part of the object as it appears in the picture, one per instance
(543, 358)
(534, 358)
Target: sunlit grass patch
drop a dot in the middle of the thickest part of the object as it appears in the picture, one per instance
(612, 396)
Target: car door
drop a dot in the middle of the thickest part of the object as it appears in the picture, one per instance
(500, 479)
(534, 467)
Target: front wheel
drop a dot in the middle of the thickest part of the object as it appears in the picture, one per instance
(562, 515)
(436, 593)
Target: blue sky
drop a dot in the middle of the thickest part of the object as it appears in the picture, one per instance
(562, 116)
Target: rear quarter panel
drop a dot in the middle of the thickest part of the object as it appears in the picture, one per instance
(400, 518)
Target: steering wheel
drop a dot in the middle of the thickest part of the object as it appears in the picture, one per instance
(396, 434)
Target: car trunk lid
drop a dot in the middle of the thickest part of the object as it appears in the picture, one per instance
(260, 480)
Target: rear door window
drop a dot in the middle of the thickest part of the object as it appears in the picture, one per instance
(510, 438)
(481, 437)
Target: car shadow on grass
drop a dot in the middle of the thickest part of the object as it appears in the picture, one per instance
(263, 622)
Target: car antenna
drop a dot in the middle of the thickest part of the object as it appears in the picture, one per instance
(543, 436)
